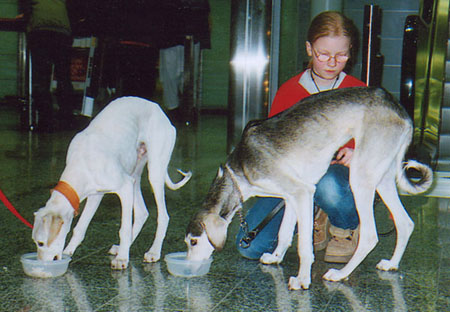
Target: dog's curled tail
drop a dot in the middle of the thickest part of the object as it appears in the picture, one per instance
(411, 185)
(175, 186)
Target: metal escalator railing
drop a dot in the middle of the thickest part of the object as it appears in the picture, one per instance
(431, 92)
(438, 113)
(429, 105)
(443, 162)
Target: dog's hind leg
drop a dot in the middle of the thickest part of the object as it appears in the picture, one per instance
(377, 149)
(140, 212)
(156, 176)
(285, 234)
(304, 208)
(387, 190)
(92, 203)
(160, 152)
(363, 191)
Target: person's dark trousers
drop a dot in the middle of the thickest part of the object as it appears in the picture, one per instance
(50, 48)
(137, 70)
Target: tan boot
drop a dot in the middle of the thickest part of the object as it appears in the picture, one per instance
(321, 226)
(342, 245)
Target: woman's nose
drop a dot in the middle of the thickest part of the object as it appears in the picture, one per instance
(332, 61)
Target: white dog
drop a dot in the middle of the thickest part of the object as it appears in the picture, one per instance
(286, 155)
(109, 157)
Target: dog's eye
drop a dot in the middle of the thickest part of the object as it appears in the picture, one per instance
(193, 242)
(40, 244)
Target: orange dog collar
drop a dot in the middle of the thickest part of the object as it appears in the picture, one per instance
(65, 189)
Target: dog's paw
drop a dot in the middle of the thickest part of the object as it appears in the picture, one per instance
(386, 265)
(114, 250)
(69, 251)
(119, 264)
(268, 258)
(334, 275)
(71, 247)
(296, 283)
(151, 257)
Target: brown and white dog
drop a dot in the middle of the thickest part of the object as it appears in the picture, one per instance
(286, 155)
(109, 157)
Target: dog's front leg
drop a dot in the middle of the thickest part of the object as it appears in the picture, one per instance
(285, 234)
(92, 203)
(125, 194)
(304, 207)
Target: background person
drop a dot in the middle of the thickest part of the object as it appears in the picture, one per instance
(182, 18)
(49, 39)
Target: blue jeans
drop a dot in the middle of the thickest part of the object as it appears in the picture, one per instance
(333, 195)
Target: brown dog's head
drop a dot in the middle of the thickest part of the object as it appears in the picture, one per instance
(51, 225)
(207, 231)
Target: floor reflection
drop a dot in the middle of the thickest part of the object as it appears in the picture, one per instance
(55, 294)
(287, 300)
(394, 278)
(349, 294)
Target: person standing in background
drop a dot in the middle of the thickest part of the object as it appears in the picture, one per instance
(135, 44)
(182, 18)
(49, 39)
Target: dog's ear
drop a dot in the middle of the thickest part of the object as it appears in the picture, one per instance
(216, 230)
(55, 227)
(220, 172)
(40, 230)
(46, 228)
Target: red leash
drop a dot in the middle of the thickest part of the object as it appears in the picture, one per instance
(13, 210)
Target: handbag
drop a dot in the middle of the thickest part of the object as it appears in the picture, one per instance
(249, 236)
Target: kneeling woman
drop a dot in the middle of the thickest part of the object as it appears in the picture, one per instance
(331, 37)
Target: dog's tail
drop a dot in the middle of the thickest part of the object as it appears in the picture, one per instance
(415, 185)
(175, 186)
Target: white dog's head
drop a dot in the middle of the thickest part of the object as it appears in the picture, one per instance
(51, 225)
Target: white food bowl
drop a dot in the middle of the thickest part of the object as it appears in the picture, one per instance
(44, 269)
(178, 265)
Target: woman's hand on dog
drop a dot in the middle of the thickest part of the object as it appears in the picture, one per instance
(343, 157)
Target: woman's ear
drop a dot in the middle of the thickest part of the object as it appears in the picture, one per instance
(308, 48)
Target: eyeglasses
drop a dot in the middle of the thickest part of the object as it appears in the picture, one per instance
(340, 58)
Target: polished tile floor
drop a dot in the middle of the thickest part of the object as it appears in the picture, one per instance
(31, 164)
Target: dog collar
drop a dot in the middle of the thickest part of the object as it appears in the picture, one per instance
(65, 189)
